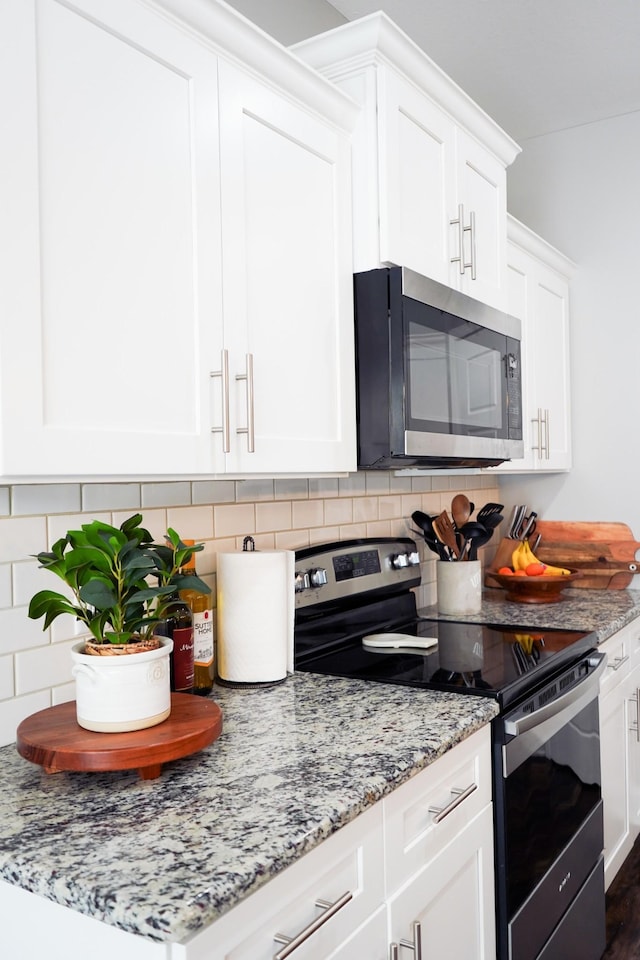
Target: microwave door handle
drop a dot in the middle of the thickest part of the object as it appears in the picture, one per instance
(533, 730)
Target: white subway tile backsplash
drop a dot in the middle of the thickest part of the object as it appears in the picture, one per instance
(307, 513)
(283, 514)
(43, 668)
(323, 487)
(273, 516)
(41, 498)
(338, 511)
(6, 592)
(293, 489)
(22, 536)
(250, 491)
(18, 632)
(173, 494)
(213, 491)
(377, 482)
(234, 520)
(194, 523)
(7, 687)
(28, 578)
(111, 496)
(13, 712)
(58, 526)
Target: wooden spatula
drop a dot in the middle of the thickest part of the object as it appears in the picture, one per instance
(445, 532)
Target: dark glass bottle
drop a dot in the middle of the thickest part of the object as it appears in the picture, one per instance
(203, 631)
(178, 624)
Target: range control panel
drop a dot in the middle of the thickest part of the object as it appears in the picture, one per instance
(332, 571)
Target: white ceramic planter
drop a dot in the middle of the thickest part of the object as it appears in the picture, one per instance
(120, 693)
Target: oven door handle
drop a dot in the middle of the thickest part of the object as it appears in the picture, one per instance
(533, 730)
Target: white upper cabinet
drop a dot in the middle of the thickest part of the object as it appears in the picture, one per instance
(538, 289)
(169, 214)
(429, 165)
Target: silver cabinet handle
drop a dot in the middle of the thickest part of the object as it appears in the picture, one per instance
(250, 427)
(223, 373)
(636, 726)
(547, 447)
(617, 662)
(416, 944)
(292, 943)
(459, 222)
(471, 230)
(439, 813)
(472, 234)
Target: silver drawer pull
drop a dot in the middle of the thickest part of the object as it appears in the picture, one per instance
(292, 943)
(439, 813)
(616, 663)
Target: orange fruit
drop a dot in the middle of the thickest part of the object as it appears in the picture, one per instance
(506, 571)
(535, 569)
(519, 573)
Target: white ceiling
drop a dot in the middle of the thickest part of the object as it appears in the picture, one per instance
(535, 66)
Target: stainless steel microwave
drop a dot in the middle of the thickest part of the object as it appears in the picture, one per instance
(438, 375)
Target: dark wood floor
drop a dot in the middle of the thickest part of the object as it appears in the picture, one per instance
(623, 911)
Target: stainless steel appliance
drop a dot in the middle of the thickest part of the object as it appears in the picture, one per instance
(438, 375)
(356, 617)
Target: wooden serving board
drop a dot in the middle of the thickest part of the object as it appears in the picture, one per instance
(53, 739)
(604, 553)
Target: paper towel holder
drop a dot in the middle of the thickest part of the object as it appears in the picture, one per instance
(248, 545)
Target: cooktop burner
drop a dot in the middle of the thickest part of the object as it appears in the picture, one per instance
(366, 627)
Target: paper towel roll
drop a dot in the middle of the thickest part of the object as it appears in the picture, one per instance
(255, 597)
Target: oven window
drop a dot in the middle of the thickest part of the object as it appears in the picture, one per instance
(455, 373)
(547, 798)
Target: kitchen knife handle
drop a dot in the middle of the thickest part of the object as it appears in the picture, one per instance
(223, 373)
(292, 943)
(250, 427)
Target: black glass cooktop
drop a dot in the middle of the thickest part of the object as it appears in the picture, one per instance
(492, 660)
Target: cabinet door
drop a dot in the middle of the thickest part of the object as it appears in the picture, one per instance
(550, 411)
(287, 282)
(416, 179)
(452, 898)
(620, 747)
(482, 192)
(111, 226)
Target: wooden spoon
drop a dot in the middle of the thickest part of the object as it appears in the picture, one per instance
(445, 532)
(460, 509)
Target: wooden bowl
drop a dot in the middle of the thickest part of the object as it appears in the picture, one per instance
(535, 589)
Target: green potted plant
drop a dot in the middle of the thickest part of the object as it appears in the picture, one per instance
(119, 583)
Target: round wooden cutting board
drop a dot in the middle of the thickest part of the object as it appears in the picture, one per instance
(53, 739)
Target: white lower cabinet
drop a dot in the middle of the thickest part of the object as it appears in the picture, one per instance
(620, 746)
(422, 855)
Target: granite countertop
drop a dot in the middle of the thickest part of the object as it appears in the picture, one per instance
(164, 858)
(603, 611)
(295, 762)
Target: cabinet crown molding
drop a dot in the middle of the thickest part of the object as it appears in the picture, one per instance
(524, 237)
(376, 39)
(230, 34)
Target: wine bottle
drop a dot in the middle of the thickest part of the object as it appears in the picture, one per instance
(201, 607)
(178, 624)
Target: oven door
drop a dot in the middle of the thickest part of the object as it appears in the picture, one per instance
(549, 833)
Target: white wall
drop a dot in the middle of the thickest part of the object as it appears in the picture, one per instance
(580, 190)
(290, 20)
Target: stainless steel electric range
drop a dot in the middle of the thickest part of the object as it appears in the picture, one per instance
(356, 617)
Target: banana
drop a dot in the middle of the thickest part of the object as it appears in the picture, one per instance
(523, 555)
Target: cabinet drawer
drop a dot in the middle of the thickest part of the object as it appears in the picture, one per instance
(349, 861)
(458, 784)
(623, 655)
